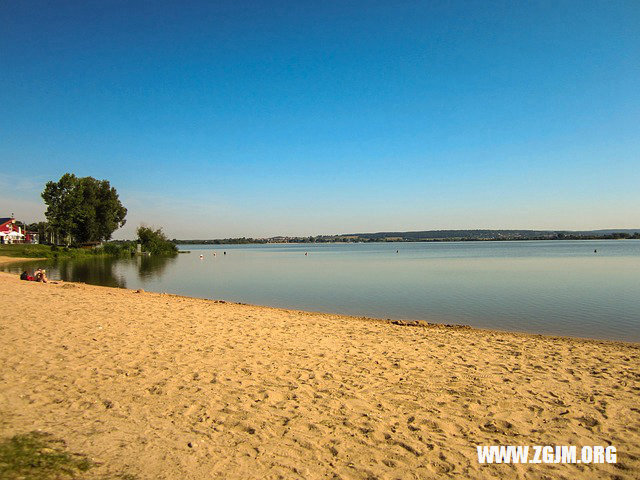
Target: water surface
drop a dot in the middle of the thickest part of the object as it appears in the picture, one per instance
(551, 287)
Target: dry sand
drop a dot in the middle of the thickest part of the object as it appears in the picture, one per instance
(167, 387)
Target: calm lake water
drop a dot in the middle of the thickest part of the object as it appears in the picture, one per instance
(552, 287)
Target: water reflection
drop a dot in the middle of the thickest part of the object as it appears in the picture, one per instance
(152, 266)
(106, 271)
(97, 271)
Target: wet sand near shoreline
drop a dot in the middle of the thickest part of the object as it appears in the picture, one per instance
(170, 387)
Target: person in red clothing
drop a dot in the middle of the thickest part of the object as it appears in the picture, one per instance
(26, 276)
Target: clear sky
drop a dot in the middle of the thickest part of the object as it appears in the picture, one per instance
(257, 118)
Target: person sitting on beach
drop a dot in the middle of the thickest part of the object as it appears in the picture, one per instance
(41, 276)
(25, 276)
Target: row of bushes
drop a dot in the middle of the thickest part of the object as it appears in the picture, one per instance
(118, 248)
(151, 241)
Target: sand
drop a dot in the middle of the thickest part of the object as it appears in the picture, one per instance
(4, 259)
(167, 387)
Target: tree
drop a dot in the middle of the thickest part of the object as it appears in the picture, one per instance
(101, 212)
(155, 241)
(62, 202)
(83, 209)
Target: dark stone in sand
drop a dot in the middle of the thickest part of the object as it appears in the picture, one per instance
(410, 323)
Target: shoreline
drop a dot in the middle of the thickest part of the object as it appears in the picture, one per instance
(167, 386)
(394, 322)
(4, 260)
(445, 240)
(391, 322)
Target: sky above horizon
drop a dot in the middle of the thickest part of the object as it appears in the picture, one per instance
(246, 118)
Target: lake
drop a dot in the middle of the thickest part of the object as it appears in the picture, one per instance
(550, 287)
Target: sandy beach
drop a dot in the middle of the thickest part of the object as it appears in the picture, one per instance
(168, 387)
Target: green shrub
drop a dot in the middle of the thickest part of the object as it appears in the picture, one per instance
(118, 248)
(155, 242)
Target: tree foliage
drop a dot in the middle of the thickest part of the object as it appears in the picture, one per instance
(83, 209)
(155, 241)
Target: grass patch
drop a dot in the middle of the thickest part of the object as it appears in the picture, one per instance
(116, 248)
(39, 456)
(27, 250)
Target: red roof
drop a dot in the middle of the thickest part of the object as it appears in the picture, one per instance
(6, 224)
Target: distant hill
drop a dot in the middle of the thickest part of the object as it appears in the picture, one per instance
(450, 234)
(437, 236)
(489, 234)
(618, 230)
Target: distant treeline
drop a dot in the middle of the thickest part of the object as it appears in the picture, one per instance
(432, 236)
(221, 241)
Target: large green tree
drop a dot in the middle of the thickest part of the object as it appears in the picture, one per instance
(83, 209)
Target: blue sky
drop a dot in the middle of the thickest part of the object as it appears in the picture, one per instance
(217, 119)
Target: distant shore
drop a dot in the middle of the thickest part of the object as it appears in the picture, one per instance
(162, 386)
(299, 240)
